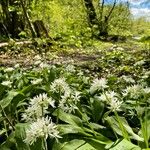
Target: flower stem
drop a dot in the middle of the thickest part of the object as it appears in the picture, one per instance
(123, 130)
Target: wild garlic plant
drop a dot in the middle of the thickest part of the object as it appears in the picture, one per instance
(110, 98)
(138, 96)
(41, 126)
(67, 98)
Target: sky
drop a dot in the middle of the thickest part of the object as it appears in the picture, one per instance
(138, 7)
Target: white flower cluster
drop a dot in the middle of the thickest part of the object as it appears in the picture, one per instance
(68, 97)
(111, 99)
(7, 83)
(60, 86)
(68, 102)
(9, 69)
(36, 81)
(70, 68)
(42, 128)
(98, 84)
(135, 91)
(128, 79)
(38, 107)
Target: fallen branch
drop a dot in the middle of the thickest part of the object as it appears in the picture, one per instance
(16, 43)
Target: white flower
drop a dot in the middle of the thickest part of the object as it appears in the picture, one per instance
(139, 63)
(10, 69)
(7, 83)
(38, 107)
(98, 84)
(147, 90)
(37, 62)
(80, 73)
(44, 65)
(128, 79)
(37, 57)
(37, 81)
(70, 68)
(133, 91)
(119, 49)
(110, 97)
(42, 128)
(115, 105)
(107, 96)
(17, 66)
(60, 85)
(68, 102)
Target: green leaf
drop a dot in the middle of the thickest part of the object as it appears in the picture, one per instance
(3, 88)
(75, 144)
(97, 108)
(6, 101)
(123, 145)
(9, 143)
(115, 126)
(68, 118)
(67, 129)
(20, 135)
(97, 144)
(27, 89)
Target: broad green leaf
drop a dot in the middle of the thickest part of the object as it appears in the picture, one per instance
(97, 144)
(75, 144)
(27, 89)
(67, 129)
(115, 126)
(68, 118)
(97, 108)
(6, 101)
(123, 145)
(20, 136)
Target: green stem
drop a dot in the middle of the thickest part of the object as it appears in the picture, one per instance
(10, 123)
(44, 144)
(124, 132)
(87, 123)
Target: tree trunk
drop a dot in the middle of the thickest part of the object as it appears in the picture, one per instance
(11, 20)
(28, 19)
(92, 17)
(104, 23)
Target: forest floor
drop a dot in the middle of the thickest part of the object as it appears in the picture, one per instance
(25, 53)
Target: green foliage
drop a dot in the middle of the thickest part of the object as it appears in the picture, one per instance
(84, 119)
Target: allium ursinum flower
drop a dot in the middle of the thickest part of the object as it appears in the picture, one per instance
(36, 81)
(115, 104)
(85, 79)
(139, 63)
(60, 86)
(68, 102)
(134, 91)
(17, 65)
(70, 68)
(7, 83)
(44, 65)
(37, 57)
(38, 107)
(10, 69)
(110, 97)
(80, 73)
(107, 96)
(147, 90)
(98, 84)
(42, 128)
(128, 79)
